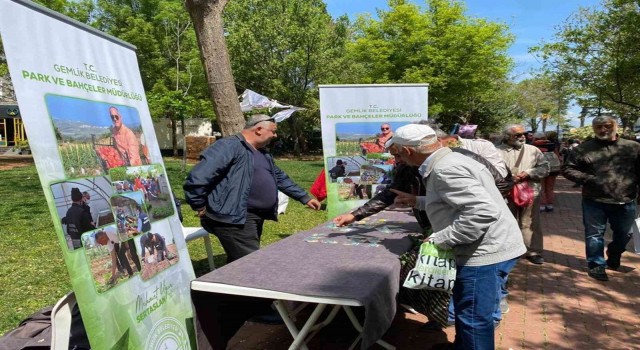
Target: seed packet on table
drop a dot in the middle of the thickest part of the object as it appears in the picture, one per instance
(316, 237)
(385, 229)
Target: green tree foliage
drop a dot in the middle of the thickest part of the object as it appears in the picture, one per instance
(599, 51)
(4, 69)
(542, 99)
(80, 10)
(168, 56)
(463, 59)
(284, 49)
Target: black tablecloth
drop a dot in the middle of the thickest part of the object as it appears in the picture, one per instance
(322, 262)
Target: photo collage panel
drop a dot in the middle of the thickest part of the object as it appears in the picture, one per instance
(114, 203)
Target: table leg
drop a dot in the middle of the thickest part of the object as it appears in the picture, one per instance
(298, 337)
(358, 327)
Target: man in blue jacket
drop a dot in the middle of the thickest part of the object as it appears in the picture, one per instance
(235, 187)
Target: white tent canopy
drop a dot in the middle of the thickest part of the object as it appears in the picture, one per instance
(252, 100)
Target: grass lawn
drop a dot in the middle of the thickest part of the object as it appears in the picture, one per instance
(32, 272)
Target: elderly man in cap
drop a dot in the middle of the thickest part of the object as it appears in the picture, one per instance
(234, 187)
(468, 215)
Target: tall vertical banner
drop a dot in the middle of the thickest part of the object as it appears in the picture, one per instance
(356, 122)
(89, 128)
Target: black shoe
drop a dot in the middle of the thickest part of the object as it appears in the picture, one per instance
(598, 273)
(431, 326)
(536, 259)
(613, 261)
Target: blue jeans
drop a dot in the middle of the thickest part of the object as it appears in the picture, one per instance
(503, 269)
(595, 216)
(474, 300)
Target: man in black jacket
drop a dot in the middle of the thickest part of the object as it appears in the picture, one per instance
(77, 219)
(607, 167)
(235, 187)
(337, 171)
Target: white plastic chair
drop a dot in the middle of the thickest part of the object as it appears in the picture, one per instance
(283, 202)
(191, 233)
(61, 322)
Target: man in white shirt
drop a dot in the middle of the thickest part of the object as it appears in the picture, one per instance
(527, 164)
(117, 250)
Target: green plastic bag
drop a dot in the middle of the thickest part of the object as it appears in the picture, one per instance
(435, 269)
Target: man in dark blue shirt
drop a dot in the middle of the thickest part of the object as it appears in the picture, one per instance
(235, 187)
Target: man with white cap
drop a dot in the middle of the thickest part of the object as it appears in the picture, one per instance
(468, 215)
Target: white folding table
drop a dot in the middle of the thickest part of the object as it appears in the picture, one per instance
(329, 272)
(311, 326)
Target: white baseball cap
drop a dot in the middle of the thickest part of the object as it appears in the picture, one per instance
(410, 135)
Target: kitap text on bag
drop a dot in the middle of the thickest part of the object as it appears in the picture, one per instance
(435, 269)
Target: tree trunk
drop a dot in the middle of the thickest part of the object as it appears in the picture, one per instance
(174, 137)
(582, 117)
(184, 145)
(207, 22)
(295, 135)
(534, 125)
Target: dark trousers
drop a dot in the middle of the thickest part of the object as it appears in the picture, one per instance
(121, 253)
(134, 254)
(162, 254)
(595, 216)
(236, 240)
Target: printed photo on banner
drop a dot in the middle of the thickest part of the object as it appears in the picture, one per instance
(349, 188)
(157, 250)
(151, 181)
(131, 213)
(112, 257)
(94, 136)
(82, 205)
(378, 176)
(360, 177)
(340, 167)
(365, 138)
